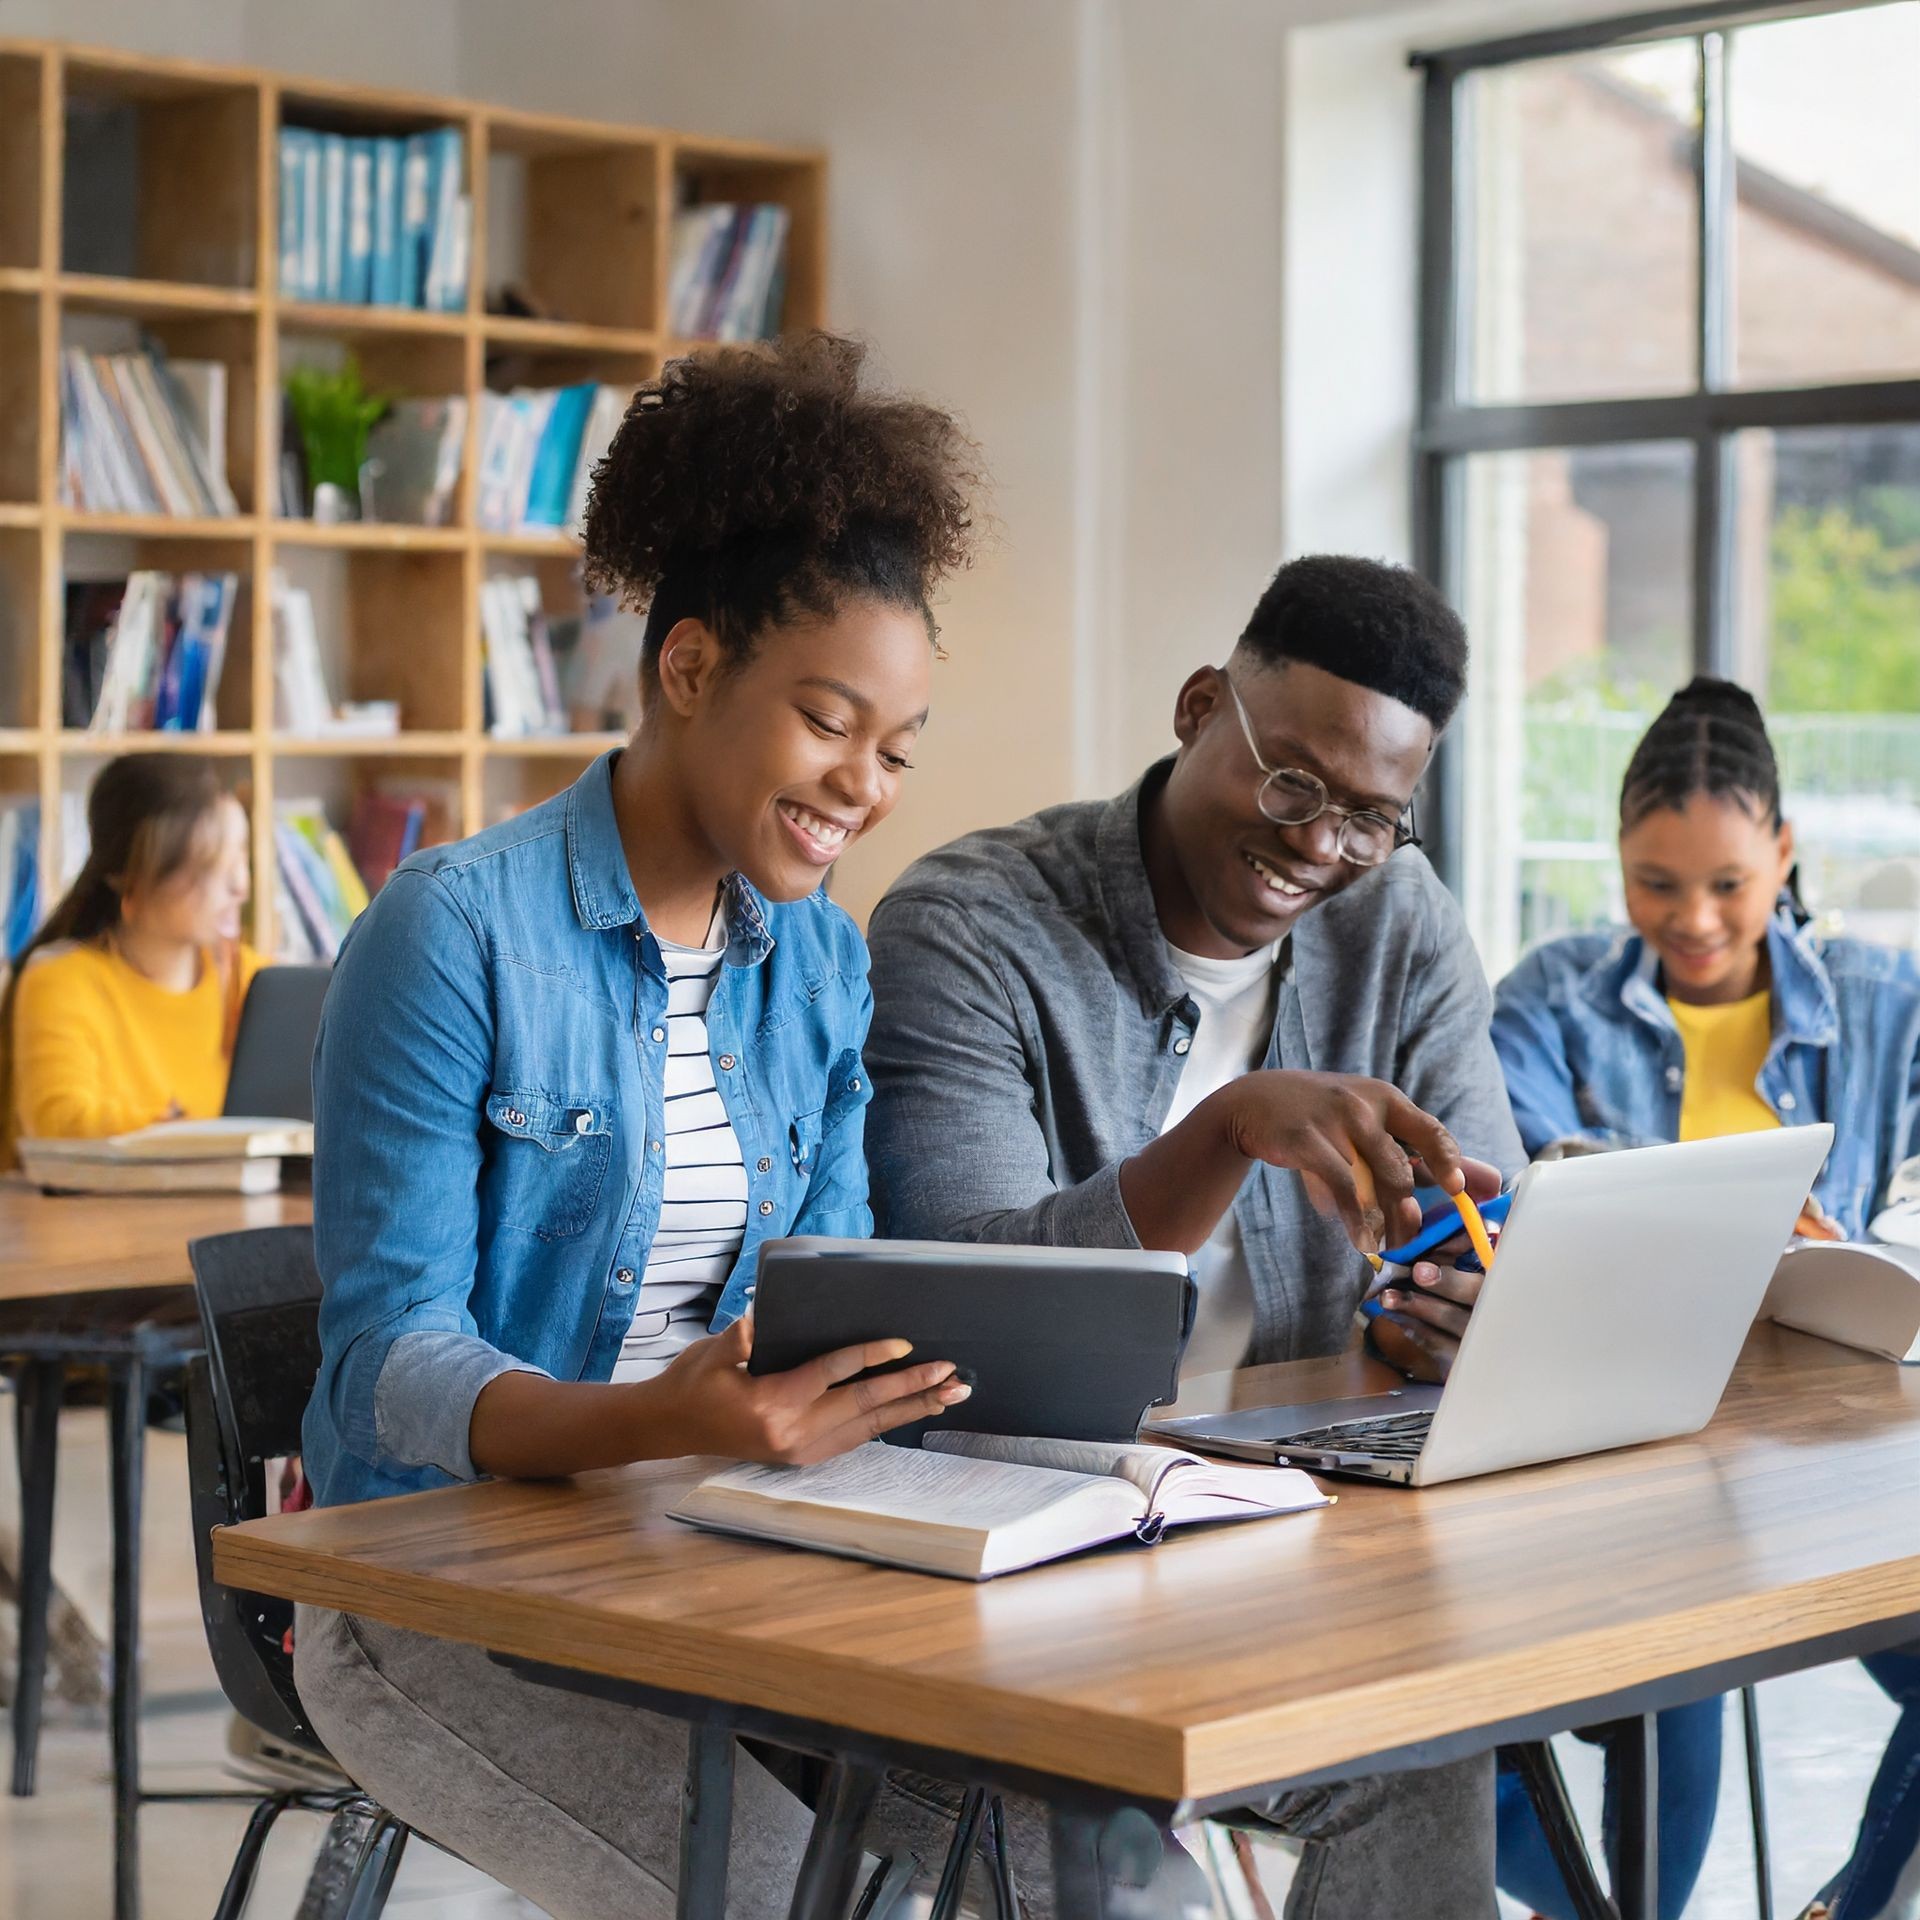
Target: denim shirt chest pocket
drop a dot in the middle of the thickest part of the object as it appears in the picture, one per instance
(549, 1156)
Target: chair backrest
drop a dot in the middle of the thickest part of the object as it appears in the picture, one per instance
(259, 1297)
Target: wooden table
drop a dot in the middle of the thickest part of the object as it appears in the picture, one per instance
(1396, 1629)
(99, 1282)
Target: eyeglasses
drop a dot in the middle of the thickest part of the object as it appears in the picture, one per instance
(1291, 797)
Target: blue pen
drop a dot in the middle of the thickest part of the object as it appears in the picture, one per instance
(1440, 1223)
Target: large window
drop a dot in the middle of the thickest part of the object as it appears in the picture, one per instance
(1670, 424)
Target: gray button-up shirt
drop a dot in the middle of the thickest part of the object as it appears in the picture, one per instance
(1030, 1028)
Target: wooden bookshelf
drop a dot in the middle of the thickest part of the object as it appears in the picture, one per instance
(582, 221)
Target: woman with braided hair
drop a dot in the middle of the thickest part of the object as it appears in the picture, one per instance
(1721, 1010)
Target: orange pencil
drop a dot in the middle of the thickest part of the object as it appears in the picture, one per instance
(1476, 1228)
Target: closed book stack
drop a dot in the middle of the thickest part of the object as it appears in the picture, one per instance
(538, 449)
(728, 275)
(320, 890)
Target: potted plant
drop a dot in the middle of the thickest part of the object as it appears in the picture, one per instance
(333, 412)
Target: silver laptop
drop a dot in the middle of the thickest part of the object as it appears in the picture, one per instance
(1622, 1290)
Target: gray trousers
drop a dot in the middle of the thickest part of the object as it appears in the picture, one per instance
(575, 1802)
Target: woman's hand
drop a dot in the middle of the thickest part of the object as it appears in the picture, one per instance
(709, 1400)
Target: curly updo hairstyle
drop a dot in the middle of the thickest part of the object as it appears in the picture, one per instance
(751, 486)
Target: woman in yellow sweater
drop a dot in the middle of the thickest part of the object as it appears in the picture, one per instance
(122, 1009)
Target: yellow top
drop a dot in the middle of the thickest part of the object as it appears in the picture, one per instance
(1726, 1048)
(99, 1049)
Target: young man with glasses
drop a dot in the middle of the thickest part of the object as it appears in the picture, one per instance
(1178, 1018)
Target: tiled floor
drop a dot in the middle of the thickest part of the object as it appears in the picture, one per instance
(1823, 1735)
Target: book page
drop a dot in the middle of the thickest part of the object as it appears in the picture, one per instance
(1859, 1295)
(908, 1484)
(1144, 1467)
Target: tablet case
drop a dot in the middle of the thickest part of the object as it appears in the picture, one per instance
(1070, 1343)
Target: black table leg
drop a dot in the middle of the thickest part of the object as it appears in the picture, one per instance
(966, 1842)
(1633, 1748)
(706, 1823)
(127, 1424)
(1757, 1805)
(1547, 1789)
(832, 1863)
(1076, 1864)
(38, 1387)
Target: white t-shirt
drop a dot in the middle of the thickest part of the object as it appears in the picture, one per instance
(1236, 1001)
(703, 1213)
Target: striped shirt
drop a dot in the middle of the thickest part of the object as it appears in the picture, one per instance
(703, 1214)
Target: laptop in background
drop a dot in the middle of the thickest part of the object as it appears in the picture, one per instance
(1624, 1286)
(272, 1073)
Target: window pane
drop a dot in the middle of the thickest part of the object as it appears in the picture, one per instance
(1579, 249)
(1579, 600)
(1826, 137)
(1828, 599)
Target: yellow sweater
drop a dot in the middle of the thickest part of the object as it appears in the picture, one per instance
(1726, 1047)
(100, 1049)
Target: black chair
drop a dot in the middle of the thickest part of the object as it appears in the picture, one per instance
(259, 1298)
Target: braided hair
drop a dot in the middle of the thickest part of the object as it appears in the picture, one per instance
(1710, 738)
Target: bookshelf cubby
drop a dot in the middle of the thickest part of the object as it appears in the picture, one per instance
(141, 195)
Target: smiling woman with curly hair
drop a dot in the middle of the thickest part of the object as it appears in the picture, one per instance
(574, 1071)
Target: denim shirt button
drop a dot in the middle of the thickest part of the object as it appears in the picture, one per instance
(653, 1146)
(659, 1033)
(1788, 1103)
(583, 1123)
(1674, 1079)
(726, 1063)
(766, 1207)
(1182, 1045)
(624, 1278)
(765, 1165)
(855, 1085)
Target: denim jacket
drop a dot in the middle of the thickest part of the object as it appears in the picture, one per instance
(488, 1109)
(1591, 1051)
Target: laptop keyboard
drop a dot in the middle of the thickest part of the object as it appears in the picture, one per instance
(1392, 1436)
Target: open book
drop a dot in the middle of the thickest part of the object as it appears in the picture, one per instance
(1857, 1294)
(972, 1505)
(235, 1155)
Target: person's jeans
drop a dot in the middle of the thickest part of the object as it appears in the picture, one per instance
(1882, 1879)
(1689, 1750)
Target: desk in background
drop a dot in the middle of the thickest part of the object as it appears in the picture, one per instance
(1396, 1629)
(92, 1282)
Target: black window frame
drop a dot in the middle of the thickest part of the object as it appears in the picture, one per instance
(1450, 428)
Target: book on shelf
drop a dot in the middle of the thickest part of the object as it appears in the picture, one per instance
(522, 679)
(538, 449)
(974, 1505)
(600, 670)
(316, 876)
(419, 445)
(303, 703)
(140, 434)
(383, 221)
(145, 654)
(19, 876)
(727, 278)
(384, 829)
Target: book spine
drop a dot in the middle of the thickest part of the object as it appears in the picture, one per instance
(384, 280)
(415, 220)
(357, 275)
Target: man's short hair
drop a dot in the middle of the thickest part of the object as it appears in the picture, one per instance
(1379, 626)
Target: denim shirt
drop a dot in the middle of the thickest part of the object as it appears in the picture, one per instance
(489, 1125)
(1591, 1052)
(1030, 1030)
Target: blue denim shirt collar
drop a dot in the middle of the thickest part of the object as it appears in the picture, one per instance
(603, 894)
(1805, 1010)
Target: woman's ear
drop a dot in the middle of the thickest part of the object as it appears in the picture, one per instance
(689, 663)
(1786, 850)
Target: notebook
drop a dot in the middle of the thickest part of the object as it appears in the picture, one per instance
(1855, 1294)
(973, 1505)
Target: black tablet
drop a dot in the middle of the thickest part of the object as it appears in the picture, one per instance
(1070, 1343)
